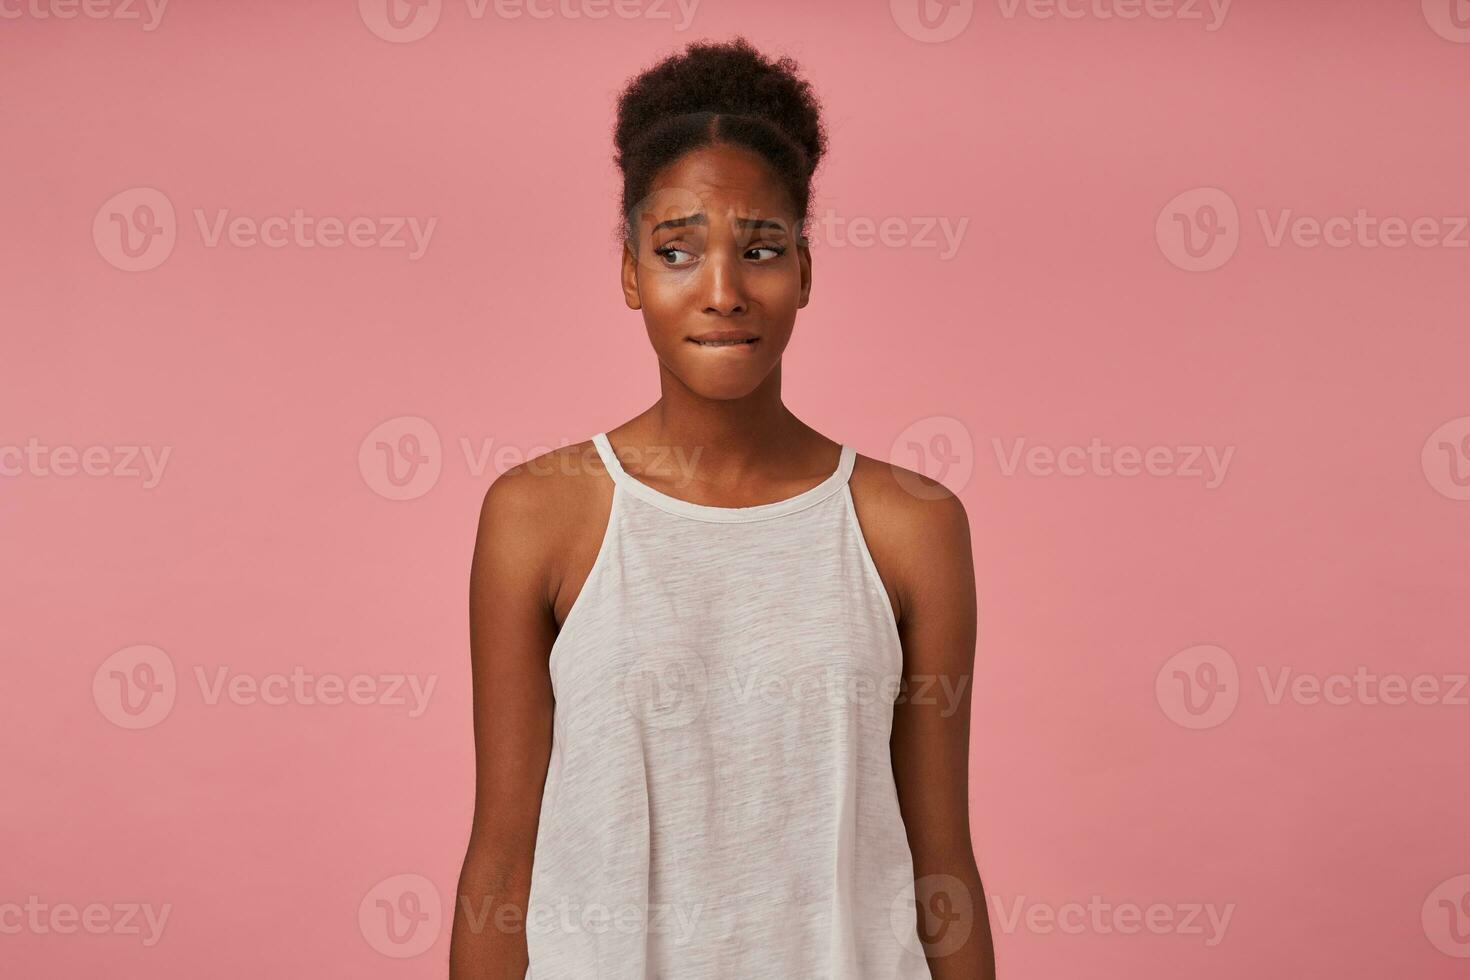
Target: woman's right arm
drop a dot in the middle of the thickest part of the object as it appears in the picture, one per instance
(511, 632)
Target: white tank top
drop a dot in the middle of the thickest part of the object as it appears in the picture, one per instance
(720, 800)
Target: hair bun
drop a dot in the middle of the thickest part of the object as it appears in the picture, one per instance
(727, 78)
(718, 92)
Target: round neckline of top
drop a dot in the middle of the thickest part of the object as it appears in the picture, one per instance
(709, 512)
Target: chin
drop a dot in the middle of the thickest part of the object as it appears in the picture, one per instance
(722, 388)
(716, 384)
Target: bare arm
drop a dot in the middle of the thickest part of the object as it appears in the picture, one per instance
(922, 544)
(511, 632)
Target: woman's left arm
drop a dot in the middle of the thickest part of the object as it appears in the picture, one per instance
(933, 582)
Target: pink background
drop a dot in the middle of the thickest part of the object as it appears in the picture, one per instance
(1336, 540)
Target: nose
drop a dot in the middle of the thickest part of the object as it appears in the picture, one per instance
(723, 284)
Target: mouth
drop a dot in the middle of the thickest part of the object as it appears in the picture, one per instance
(717, 339)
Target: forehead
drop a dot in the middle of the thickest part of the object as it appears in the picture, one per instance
(724, 179)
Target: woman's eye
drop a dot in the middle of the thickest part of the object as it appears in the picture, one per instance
(668, 252)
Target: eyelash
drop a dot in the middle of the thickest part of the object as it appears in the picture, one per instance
(780, 250)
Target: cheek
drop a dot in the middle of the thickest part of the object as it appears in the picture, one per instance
(670, 300)
(779, 286)
(665, 316)
(666, 294)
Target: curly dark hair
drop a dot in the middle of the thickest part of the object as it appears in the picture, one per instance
(719, 92)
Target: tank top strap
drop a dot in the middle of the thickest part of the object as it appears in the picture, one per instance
(845, 463)
(629, 484)
(610, 459)
(845, 460)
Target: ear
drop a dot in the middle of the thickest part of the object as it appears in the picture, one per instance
(804, 257)
(630, 278)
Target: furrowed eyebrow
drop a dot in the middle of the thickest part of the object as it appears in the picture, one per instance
(761, 224)
(685, 222)
(749, 224)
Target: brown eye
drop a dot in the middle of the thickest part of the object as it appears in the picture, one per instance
(667, 253)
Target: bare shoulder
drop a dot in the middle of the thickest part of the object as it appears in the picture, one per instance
(539, 514)
(914, 501)
(916, 529)
(549, 487)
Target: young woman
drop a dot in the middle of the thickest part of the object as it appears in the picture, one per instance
(721, 662)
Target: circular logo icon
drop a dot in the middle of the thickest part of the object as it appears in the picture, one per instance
(400, 21)
(1199, 230)
(1450, 19)
(932, 21)
(135, 687)
(135, 230)
(1446, 917)
(667, 204)
(667, 690)
(938, 447)
(1198, 687)
(401, 459)
(401, 916)
(1446, 458)
(935, 917)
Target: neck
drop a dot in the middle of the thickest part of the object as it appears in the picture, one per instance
(733, 432)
